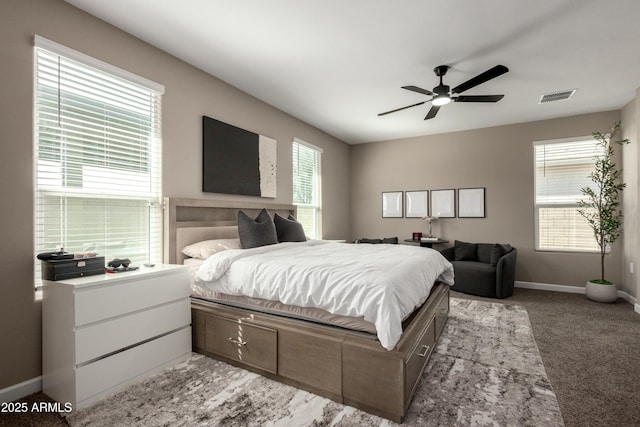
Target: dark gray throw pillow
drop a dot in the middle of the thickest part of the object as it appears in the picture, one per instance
(464, 251)
(258, 232)
(367, 240)
(289, 229)
(498, 252)
(484, 252)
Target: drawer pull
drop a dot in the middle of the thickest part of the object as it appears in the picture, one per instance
(423, 354)
(239, 342)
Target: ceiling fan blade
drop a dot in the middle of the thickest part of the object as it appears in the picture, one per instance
(402, 108)
(418, 89)
(491, 73)
(478, 98)
(432, 112)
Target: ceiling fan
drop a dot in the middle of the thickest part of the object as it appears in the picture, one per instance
(442, 94)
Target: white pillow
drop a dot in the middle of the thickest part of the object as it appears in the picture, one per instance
(206, 248)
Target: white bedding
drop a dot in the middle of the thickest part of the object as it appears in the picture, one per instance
(382, 283)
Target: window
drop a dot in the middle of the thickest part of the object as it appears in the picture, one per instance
(306, 187)
(97, 158)
(562, 168)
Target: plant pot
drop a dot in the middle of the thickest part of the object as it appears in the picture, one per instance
(601, 292)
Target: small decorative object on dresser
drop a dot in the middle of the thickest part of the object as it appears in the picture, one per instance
(102, 333)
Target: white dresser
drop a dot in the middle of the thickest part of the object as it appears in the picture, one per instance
(102, 333)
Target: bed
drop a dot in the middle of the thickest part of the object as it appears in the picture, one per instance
(318, 354)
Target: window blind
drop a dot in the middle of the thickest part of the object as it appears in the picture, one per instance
(306, 187)
(97, 158)
(562, 168)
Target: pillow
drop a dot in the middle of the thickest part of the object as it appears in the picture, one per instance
(463, 251)
(258, 232)
(390, 240)
(366, 240)
(288, 229)
(206, 248)
(484, 252)
(498, 252)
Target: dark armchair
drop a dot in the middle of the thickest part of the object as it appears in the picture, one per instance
(483, 269)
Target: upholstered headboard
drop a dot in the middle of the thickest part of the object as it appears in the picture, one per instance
(188, 221)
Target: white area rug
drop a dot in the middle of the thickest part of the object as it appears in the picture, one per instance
(485, 371)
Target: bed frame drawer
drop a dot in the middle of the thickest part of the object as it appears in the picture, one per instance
(242, 342)
(418, 358)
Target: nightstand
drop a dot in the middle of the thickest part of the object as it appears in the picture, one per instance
(102, 333)
(427, 243)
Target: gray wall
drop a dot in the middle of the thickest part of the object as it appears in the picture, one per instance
(631, 164)
(498, 158)
(190, 93)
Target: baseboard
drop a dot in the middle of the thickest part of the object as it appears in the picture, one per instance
(23, 389)
(550, 287)
(573, 290)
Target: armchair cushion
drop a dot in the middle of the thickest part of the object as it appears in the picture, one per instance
(465, 251)
(484, 252)
(498, 252)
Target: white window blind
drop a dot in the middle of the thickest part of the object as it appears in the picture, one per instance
(306, 187)
(97, 158)
(562, 168)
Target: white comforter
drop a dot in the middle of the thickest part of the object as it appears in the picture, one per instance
(382, 283)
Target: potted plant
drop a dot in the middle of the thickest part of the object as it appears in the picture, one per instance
(601, 209)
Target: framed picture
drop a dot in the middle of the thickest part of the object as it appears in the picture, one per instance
(416, 204)
(443, 203)
(392, 204)
(471, 202)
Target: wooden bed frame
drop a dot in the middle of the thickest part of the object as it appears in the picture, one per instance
(345, 366)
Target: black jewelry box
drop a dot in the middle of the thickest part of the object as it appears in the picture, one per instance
(72, 268)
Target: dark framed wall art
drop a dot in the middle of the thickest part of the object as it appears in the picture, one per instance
(443, 203)
(471, 202)
(416, 204)
(392, 204)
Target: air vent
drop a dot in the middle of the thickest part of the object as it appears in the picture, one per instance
(557, 96)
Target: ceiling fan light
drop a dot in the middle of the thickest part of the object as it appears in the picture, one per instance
(441, 100)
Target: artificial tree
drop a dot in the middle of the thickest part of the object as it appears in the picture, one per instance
(601, 208)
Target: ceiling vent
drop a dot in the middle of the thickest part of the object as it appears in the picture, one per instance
(557, 96)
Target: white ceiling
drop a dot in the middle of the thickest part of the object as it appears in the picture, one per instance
(336, 64)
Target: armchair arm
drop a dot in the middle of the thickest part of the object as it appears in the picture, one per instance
(506, 274)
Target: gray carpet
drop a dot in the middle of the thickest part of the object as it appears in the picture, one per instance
(486, 370)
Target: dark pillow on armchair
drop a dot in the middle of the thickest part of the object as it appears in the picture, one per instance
(258, 232)
(463, 251)
(288, 229)
(498, 252)
(484, 252)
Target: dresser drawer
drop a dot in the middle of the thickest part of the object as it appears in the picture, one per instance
(251, 344)
(102, 338)
(97, 303)
(106, 376)
(418, 358)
